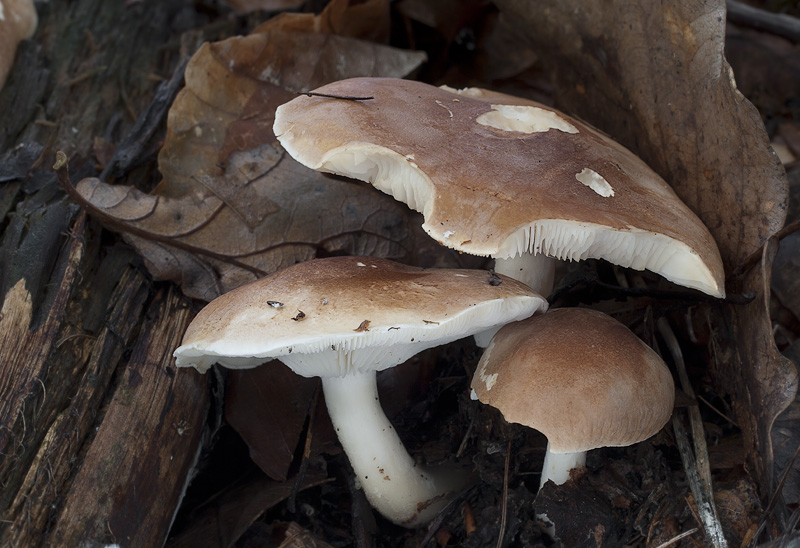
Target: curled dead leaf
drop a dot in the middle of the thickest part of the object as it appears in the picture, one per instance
(232, 206)
(655, 77)
(210, 245)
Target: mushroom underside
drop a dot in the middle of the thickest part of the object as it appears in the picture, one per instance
(565, 239)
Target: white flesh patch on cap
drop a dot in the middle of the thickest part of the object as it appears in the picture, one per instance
(466, 92)
(388, 171)
(524, 119)
(595, 181)
(381, 347)
(488, 380)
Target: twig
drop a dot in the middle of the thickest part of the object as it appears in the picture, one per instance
(329, 96)
(673, 540)
(504, 514)
(717, 411)
(705, 507)
(464, 441)
(699, 460)
(695, 419)
(778, 24)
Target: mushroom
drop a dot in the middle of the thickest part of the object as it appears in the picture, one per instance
(579, 377)
(360, 315)
(500, 176)
(17, 22)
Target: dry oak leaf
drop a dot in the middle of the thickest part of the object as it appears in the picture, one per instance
(234, 86)
(246, 6)
(268, 407)
(232, 206)
(655, 77)
(210, 246)
(368, 20)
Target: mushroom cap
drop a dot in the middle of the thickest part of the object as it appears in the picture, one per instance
(578, 376)
(499, 176)
(17, 22)
(349, 314)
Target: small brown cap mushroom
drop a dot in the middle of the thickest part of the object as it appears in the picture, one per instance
(500, 176)
(578, 376)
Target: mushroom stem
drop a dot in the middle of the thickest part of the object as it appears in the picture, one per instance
(557, 466)
(404, 492)
(535, 271)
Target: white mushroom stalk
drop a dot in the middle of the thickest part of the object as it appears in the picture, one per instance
(557, 466)
(343, 319)
(537, 271)
(404, 492)
(394, 484)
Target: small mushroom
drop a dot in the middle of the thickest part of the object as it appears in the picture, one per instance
(500, 176)
(579, 377)
(409, 309)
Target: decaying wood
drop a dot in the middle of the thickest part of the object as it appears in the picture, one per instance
(132, 479)
(103, 431)
(98, 431)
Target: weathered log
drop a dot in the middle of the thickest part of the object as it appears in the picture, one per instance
(99, 433)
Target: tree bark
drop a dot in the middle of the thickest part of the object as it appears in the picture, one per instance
(99, 433)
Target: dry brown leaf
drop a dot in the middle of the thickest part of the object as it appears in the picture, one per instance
(234, 86)
(225, 518)
(212, 243)
(747, 365)
(232, 205)
(655, 77)
(448, 17)
(367, 20)
(246, 6)
(268, 406)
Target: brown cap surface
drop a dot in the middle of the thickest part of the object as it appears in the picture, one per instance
(349, 303)
(578, 376)
(499, 176)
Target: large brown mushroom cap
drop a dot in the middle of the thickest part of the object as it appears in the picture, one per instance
(578, 376)
(500, 176)
(343, 304)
